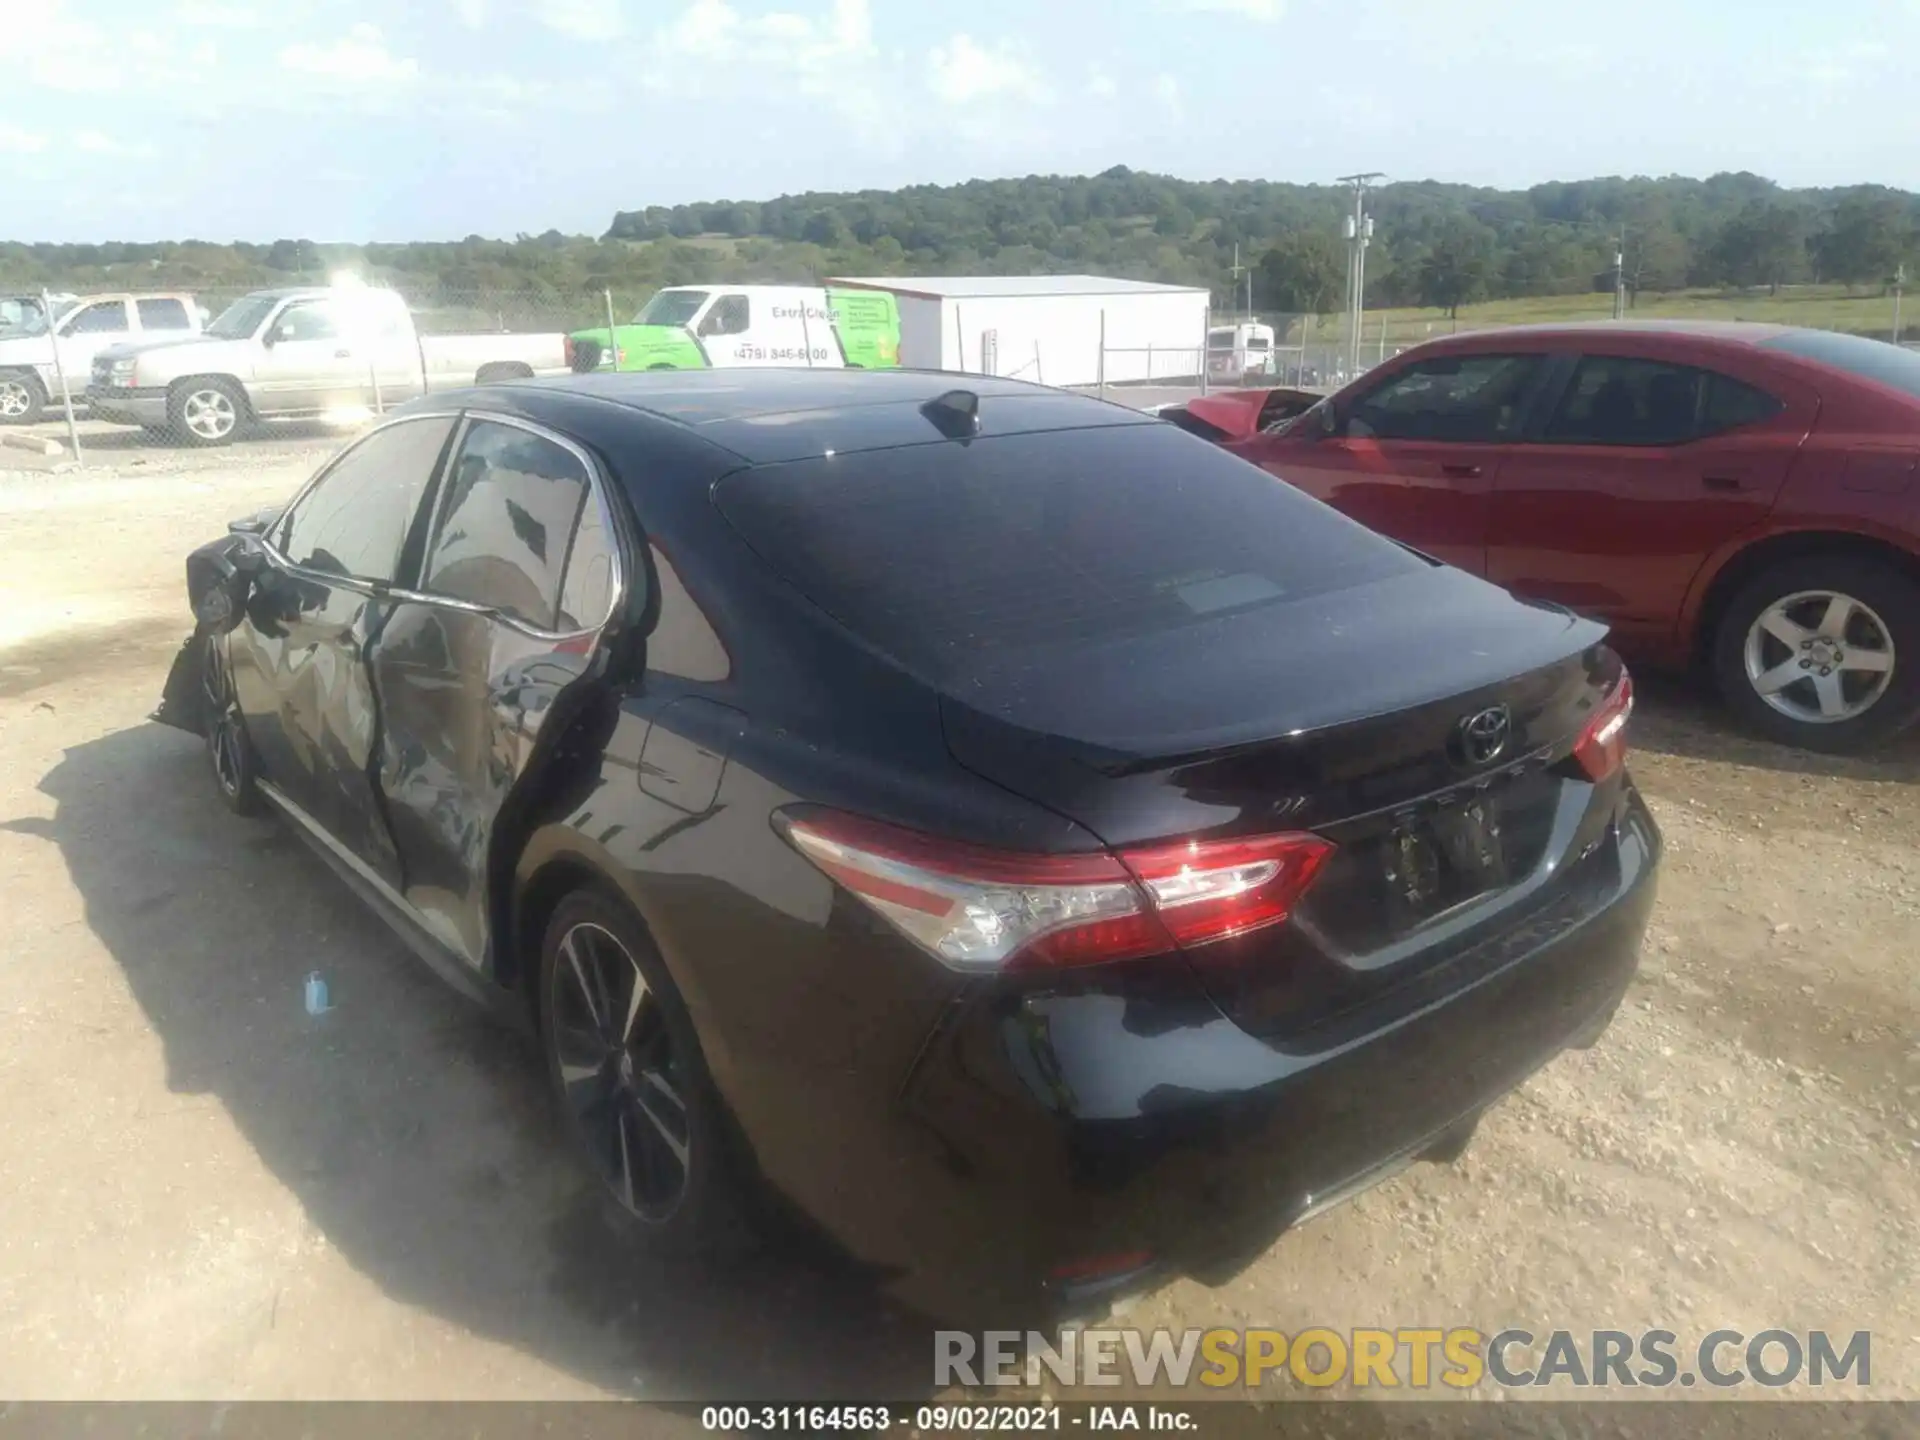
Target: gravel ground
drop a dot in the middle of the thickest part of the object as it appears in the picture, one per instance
(208, 1194)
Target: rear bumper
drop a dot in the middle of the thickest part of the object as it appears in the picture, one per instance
(1126, 1126)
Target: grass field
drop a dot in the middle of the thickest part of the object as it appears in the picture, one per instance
(1821, 307)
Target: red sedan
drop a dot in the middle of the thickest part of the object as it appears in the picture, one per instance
(1740, 497)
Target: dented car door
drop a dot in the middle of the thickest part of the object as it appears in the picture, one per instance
(299, 661)
(518, 576)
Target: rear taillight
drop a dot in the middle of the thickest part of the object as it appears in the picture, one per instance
(980, 909)
(1602, 746)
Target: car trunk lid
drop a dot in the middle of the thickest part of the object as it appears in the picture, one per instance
(1440, 768)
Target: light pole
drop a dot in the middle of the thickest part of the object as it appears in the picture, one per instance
(1359, 231)
(1899, 284)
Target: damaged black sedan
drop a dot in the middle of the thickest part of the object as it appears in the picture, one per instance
(1024, 838)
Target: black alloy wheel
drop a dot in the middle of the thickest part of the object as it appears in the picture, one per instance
(622, 1083)
(626, 1066)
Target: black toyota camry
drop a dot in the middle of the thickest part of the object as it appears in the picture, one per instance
(1028, 841)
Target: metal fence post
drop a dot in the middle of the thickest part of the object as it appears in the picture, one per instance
(1206, 341)
(613, 345)
(60, 371)
(1100, 366)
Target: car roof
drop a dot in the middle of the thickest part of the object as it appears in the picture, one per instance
(1735, 332)
(767, 416)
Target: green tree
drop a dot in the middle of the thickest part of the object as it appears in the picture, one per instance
(1869, 237)
(1657, 258)
(1305, 272)
(1456, 267)
(1764, 244)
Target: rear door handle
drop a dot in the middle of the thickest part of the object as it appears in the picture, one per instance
(1724, 482)
(1461, 472)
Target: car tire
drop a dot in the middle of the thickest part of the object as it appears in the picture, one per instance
(23, 399)
(633, 1089)
(236, 773)
(1788, 680)
(206, 412)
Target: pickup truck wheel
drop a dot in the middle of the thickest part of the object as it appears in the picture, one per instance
(206, 412)
(21, 397)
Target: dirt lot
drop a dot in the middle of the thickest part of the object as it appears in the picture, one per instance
(206, 1193)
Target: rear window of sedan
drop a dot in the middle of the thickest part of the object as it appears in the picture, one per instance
(937, 553)
(1876, 360)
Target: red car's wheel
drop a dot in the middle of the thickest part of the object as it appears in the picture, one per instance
(1823, 653)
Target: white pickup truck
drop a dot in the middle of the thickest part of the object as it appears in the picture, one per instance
(82, 327)
(294, 354)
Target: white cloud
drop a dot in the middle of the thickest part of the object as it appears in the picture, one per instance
(215, 15)
(712, 30)
(1264, 11)
(15, 141)
(1167, 89)
(583, 19)
(96, 142)
(471, 13)
(362, 57)
(1101, 85)
(963, 70)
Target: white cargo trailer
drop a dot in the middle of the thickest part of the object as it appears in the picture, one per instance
(1048, 328)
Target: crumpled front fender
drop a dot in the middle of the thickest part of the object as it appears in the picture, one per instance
(183, 703)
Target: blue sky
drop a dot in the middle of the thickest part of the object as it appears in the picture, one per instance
(355, 120)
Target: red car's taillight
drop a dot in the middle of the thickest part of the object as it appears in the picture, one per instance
(981, 909)
(1602, 746)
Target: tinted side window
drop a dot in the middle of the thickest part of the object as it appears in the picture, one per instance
(163, 315)
(586, 595)
(1466, 398)
(1731, 403)
(356, 517)
(943, 553)
(1614, 400)
(107, 317)
(511, 503)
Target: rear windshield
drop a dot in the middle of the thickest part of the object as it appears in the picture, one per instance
(940, 554)
(1875, 360)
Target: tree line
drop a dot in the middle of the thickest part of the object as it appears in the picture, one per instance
(1434, 244)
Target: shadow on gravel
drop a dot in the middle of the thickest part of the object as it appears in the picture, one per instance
(416, 1134)
(1683, 717)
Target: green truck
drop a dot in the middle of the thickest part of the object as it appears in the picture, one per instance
(702, 327)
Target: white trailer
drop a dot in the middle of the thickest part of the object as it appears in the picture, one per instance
(1054, 329)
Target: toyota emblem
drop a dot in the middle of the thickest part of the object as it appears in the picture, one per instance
(1483, 736)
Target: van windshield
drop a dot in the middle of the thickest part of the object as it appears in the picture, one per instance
(671, 307)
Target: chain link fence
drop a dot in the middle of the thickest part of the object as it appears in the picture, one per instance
(286, 361)
(95, 376)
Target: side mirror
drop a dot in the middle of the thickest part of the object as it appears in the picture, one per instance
(1326, 421)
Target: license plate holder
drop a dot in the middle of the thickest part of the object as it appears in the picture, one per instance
(1437, 861)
